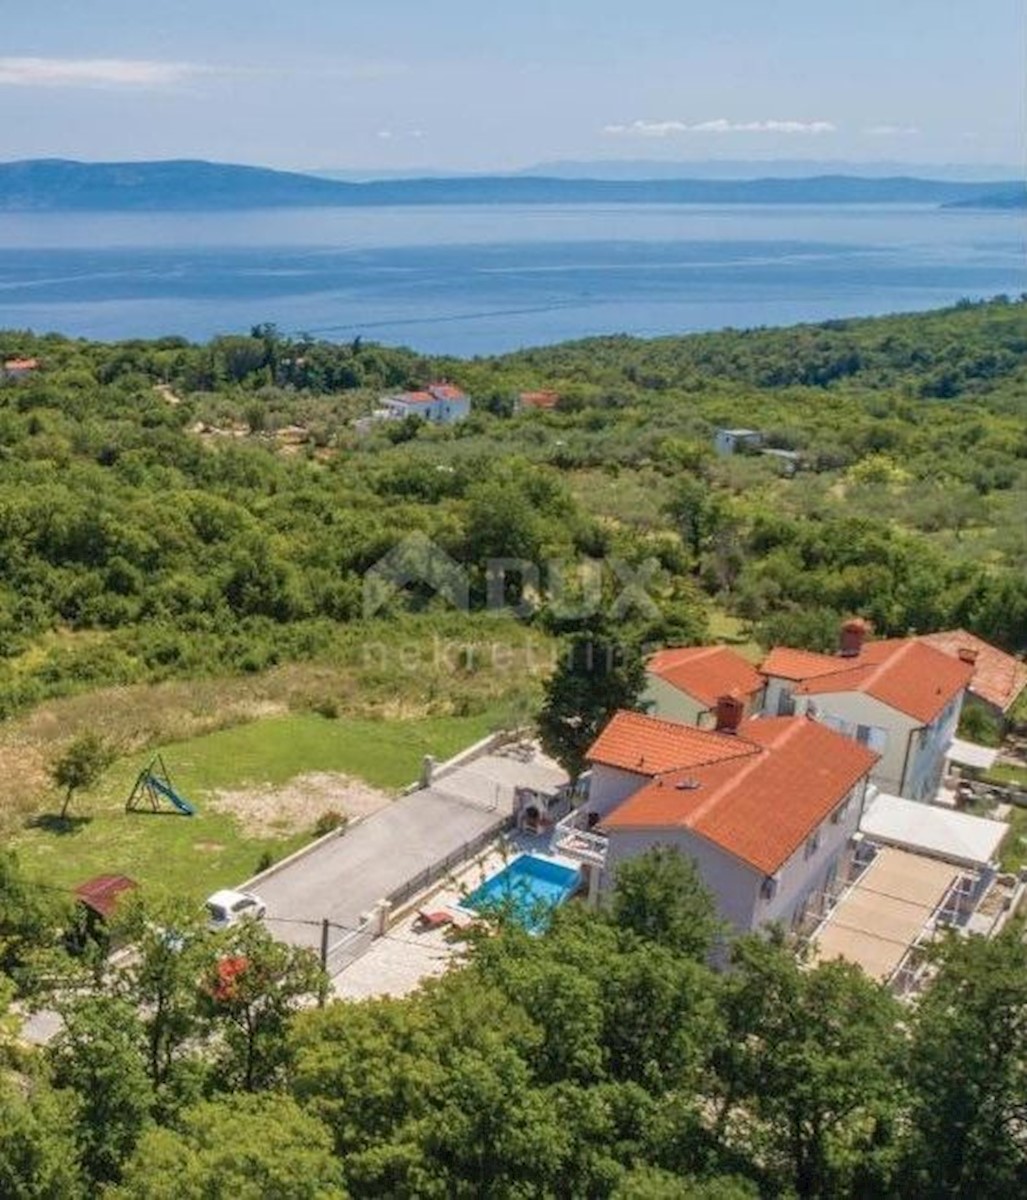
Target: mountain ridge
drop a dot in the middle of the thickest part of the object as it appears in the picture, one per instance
(195, 185)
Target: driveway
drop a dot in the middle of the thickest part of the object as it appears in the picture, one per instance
(346, 876)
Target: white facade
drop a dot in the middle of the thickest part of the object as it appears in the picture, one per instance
(443, 409)
(662, 699)
(729, 441)
(912, 755)
(744, 896)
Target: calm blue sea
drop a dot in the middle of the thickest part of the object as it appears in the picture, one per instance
(482, 279)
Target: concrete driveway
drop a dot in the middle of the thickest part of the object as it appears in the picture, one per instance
(346, 876)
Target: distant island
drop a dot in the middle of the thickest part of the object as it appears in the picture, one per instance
(1014, 197)
(61, 185)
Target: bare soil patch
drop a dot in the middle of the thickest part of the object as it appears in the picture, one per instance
(267, 811)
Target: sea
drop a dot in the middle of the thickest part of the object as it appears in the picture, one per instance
(485, 279)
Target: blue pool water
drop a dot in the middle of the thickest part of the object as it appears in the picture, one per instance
(531, 887)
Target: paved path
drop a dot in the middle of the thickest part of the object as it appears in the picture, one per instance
(346, 876)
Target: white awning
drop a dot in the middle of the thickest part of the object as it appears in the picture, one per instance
(937, 832)
(971, 755)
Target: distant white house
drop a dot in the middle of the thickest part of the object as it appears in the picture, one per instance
(20, 368)
(731, 441)
(440, 403)
(900, 697)
(766, 808)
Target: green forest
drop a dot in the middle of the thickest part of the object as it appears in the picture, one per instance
(604, 1058)
(177, 510)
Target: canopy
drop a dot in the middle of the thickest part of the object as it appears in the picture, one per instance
(971, 755)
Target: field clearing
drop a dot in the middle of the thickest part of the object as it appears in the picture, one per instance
(192, 856)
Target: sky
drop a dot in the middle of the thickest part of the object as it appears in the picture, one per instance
(473, 85)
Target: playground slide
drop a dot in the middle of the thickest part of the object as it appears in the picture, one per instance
(169, 793)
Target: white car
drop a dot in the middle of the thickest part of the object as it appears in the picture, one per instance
(227, 908)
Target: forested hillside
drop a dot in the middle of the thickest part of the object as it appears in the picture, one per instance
(172, 509)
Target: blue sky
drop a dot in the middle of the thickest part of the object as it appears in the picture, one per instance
(469, 84)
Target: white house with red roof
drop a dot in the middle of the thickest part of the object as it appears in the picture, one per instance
(684, 684)
(19, 368)
(900, 697)
(766, 808)
(440, 403)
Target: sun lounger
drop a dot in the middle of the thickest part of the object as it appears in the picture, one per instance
(433, 918)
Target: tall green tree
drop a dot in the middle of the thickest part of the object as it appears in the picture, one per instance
(968, 1071)
(660, 897)
(597, 675)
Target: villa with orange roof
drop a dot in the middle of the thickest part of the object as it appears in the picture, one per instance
(766, 808)
(440, 403)
(900, 697)
(684, 684)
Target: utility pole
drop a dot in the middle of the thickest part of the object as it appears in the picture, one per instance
(324, 959)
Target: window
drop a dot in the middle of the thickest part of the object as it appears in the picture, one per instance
(872, 737)
(813, 843)
(768, 890)
(841, 812)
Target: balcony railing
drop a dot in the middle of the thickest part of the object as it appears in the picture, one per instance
(572, 837)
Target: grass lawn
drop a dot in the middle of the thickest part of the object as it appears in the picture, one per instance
(194, 855)
(1013, 851)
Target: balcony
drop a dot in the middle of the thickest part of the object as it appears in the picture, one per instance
(573, 837)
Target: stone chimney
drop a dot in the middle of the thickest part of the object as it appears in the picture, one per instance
(968, 655)
(854, 632)
(730, 710)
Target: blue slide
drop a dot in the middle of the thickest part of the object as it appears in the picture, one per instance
(170, 794)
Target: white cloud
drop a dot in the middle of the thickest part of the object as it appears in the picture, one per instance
(94, 72)
(892, 131)
(661, 129)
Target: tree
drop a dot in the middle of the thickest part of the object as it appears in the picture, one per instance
(968, 1071)
(31, 917)
(252, 991)
(81, 766)
(698, 513)
(245, 1147)
(99, 1056)
(596, 676)
(660, 897)
(812, 1062)
(38, 1154)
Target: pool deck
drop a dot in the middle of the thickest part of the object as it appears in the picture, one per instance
(406, 956)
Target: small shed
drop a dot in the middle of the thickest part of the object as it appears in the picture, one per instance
(98, 898)
(733, 441)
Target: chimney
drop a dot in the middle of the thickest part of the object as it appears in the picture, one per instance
(730, 710)
(967, 654)
(853, 633)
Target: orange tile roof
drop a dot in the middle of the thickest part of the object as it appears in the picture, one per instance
(904, 673)
(416, 397)
(706, 672)
(997, 677)
(21, 364)
(445, 391)
(646, 745)
(784, 663)
(761, 804)
(539, 399)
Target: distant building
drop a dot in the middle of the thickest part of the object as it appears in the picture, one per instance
(732, 441)
(20, 368)
(544, 400)
(440, 403)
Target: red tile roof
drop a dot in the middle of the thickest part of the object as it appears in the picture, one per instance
(101, 894)
(416, 397)
(445, 391)
(998, 677)
(906, 674)
(784, 663)
(539, 399)
(761, 803)
(706, 672)
(646, 745)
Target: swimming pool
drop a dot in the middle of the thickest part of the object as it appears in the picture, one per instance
(531, 887)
